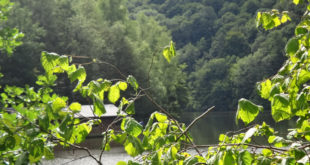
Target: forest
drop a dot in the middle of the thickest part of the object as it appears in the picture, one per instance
(154, 59)
(220, 52)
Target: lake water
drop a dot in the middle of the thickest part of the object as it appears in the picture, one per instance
(208, 129)
(205, 131)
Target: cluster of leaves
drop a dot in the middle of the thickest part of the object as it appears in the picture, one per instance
(33, 122)
(288, 93)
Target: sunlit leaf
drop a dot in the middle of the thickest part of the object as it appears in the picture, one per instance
(296, 2)
(121, 163)
(133, 146)
(264, 88)
(280, 108)
(99, 108)
(169, 52)
(247, 111)
(75, 107)
(132, 127)
(160, 117)
(245, 158)
(114, 94)
(58, 104)
(122, 86)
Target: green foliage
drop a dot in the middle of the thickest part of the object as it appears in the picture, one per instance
(247, 111)
(271, 19)
(33, 121)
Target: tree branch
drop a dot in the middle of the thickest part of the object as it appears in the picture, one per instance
(195, 120)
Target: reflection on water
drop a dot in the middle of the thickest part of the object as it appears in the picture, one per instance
(205, 131)
(208, 129)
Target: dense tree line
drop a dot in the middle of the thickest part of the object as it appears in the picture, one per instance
(221, 54)
(224, 53)
(99, 33)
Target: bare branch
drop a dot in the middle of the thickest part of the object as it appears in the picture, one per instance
(195, 120)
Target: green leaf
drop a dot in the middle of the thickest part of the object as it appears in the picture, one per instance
(285, 17)
(229, 158)
(247, 111)
(64, 62)
(267, 152)
(114, 94)
(169, 52)
(301, 105)
(133, 82)
(49, 61)
(79, 74)
(264, 89)
(223, 137)
(280, 108)
(66, 128)
(292, 46)
(160, 117)
(44, 122)
(130, 109)
(245, 158)
(296, 2)
(58, 104)
(122, 86)
(172, 153)
(75, 107)
(48, 153)
(99, 108)
(300, 30)
(121, 163)
(303, 76)
(155, 158)
(36, 150)
(81, 132)
(132, 127)
(133, 146)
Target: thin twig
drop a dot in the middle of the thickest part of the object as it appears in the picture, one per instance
(240, 130)
(149, 72)
(116, 120)
(195, 120)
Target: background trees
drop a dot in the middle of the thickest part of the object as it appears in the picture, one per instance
(98, 31)
(129, 35)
